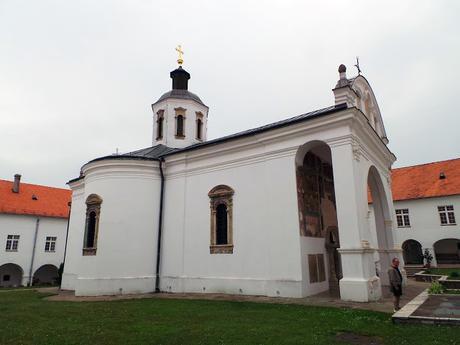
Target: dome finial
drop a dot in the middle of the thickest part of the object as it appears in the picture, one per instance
(342, 68)
(180, 59)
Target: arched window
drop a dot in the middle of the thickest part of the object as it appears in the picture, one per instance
(93, 210)
(180, 126)
(221, 200)
(160, 120)
(199, 125)
(221, 224)
(180, 122)
(91, 231)
(199, 129)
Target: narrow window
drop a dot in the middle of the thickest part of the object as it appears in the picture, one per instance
(221, 224)
(12, 243)
(180, 126)
(221, 200)
(447, 215)
(402, 218)
(50, 244)
(91, 230)
(93, 210)
(199, 129)
(160, 120)
(199, 125)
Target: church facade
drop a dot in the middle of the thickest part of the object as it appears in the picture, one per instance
(280, 210)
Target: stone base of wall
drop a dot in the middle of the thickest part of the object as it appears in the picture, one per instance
(233, 286)
(114, 286)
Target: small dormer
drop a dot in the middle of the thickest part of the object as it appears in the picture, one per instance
(357, 92)
(179, 116)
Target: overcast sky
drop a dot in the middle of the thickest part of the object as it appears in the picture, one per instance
(77, 78)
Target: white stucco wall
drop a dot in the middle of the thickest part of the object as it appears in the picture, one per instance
(24, 226)
(127, 237)
(426, 226)
(265, 227)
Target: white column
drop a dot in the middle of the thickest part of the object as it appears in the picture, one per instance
(359, 282)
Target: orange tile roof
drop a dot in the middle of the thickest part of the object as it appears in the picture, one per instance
(51, 202)
(422, 181)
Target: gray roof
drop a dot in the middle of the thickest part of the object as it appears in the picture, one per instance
(149, 153)
(270, 126)
(180, 94)
(159, 151)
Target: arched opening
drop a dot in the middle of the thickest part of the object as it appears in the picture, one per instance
(447, 251)
(381, 211)
(10, 275)
(45, 275)
(412, 252)
(318, 213)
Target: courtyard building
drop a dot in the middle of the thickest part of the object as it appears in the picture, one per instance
(279, 210)
(427, 208)
(33, 227)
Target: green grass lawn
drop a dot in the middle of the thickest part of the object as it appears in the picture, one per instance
(27, 318)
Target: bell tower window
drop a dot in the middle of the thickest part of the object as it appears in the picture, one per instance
(180, 123)
(160, 121)
(199, 126)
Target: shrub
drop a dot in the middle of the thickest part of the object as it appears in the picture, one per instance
(436, 288)
(428, 257)
(454, 274)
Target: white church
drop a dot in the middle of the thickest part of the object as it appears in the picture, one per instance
(279, 210)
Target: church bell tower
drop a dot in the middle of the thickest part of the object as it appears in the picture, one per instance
(179, 116)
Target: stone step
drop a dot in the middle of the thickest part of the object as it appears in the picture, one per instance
(411, 270)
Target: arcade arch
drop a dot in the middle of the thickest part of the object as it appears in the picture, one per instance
(11, 275)
(447, 251)
(46, 274)
(412, 252)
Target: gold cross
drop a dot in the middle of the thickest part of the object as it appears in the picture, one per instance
(180, 59)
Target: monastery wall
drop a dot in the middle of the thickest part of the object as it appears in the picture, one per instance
(24, 226)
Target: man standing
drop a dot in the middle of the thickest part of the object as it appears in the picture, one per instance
(395, 278)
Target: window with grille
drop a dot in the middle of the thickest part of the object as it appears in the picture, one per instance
(12, 243)
(50, 244)
(447, 215)
(402, 218)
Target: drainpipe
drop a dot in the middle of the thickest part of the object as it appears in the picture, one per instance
(37, 224)
(160, 226)
(66, 238)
